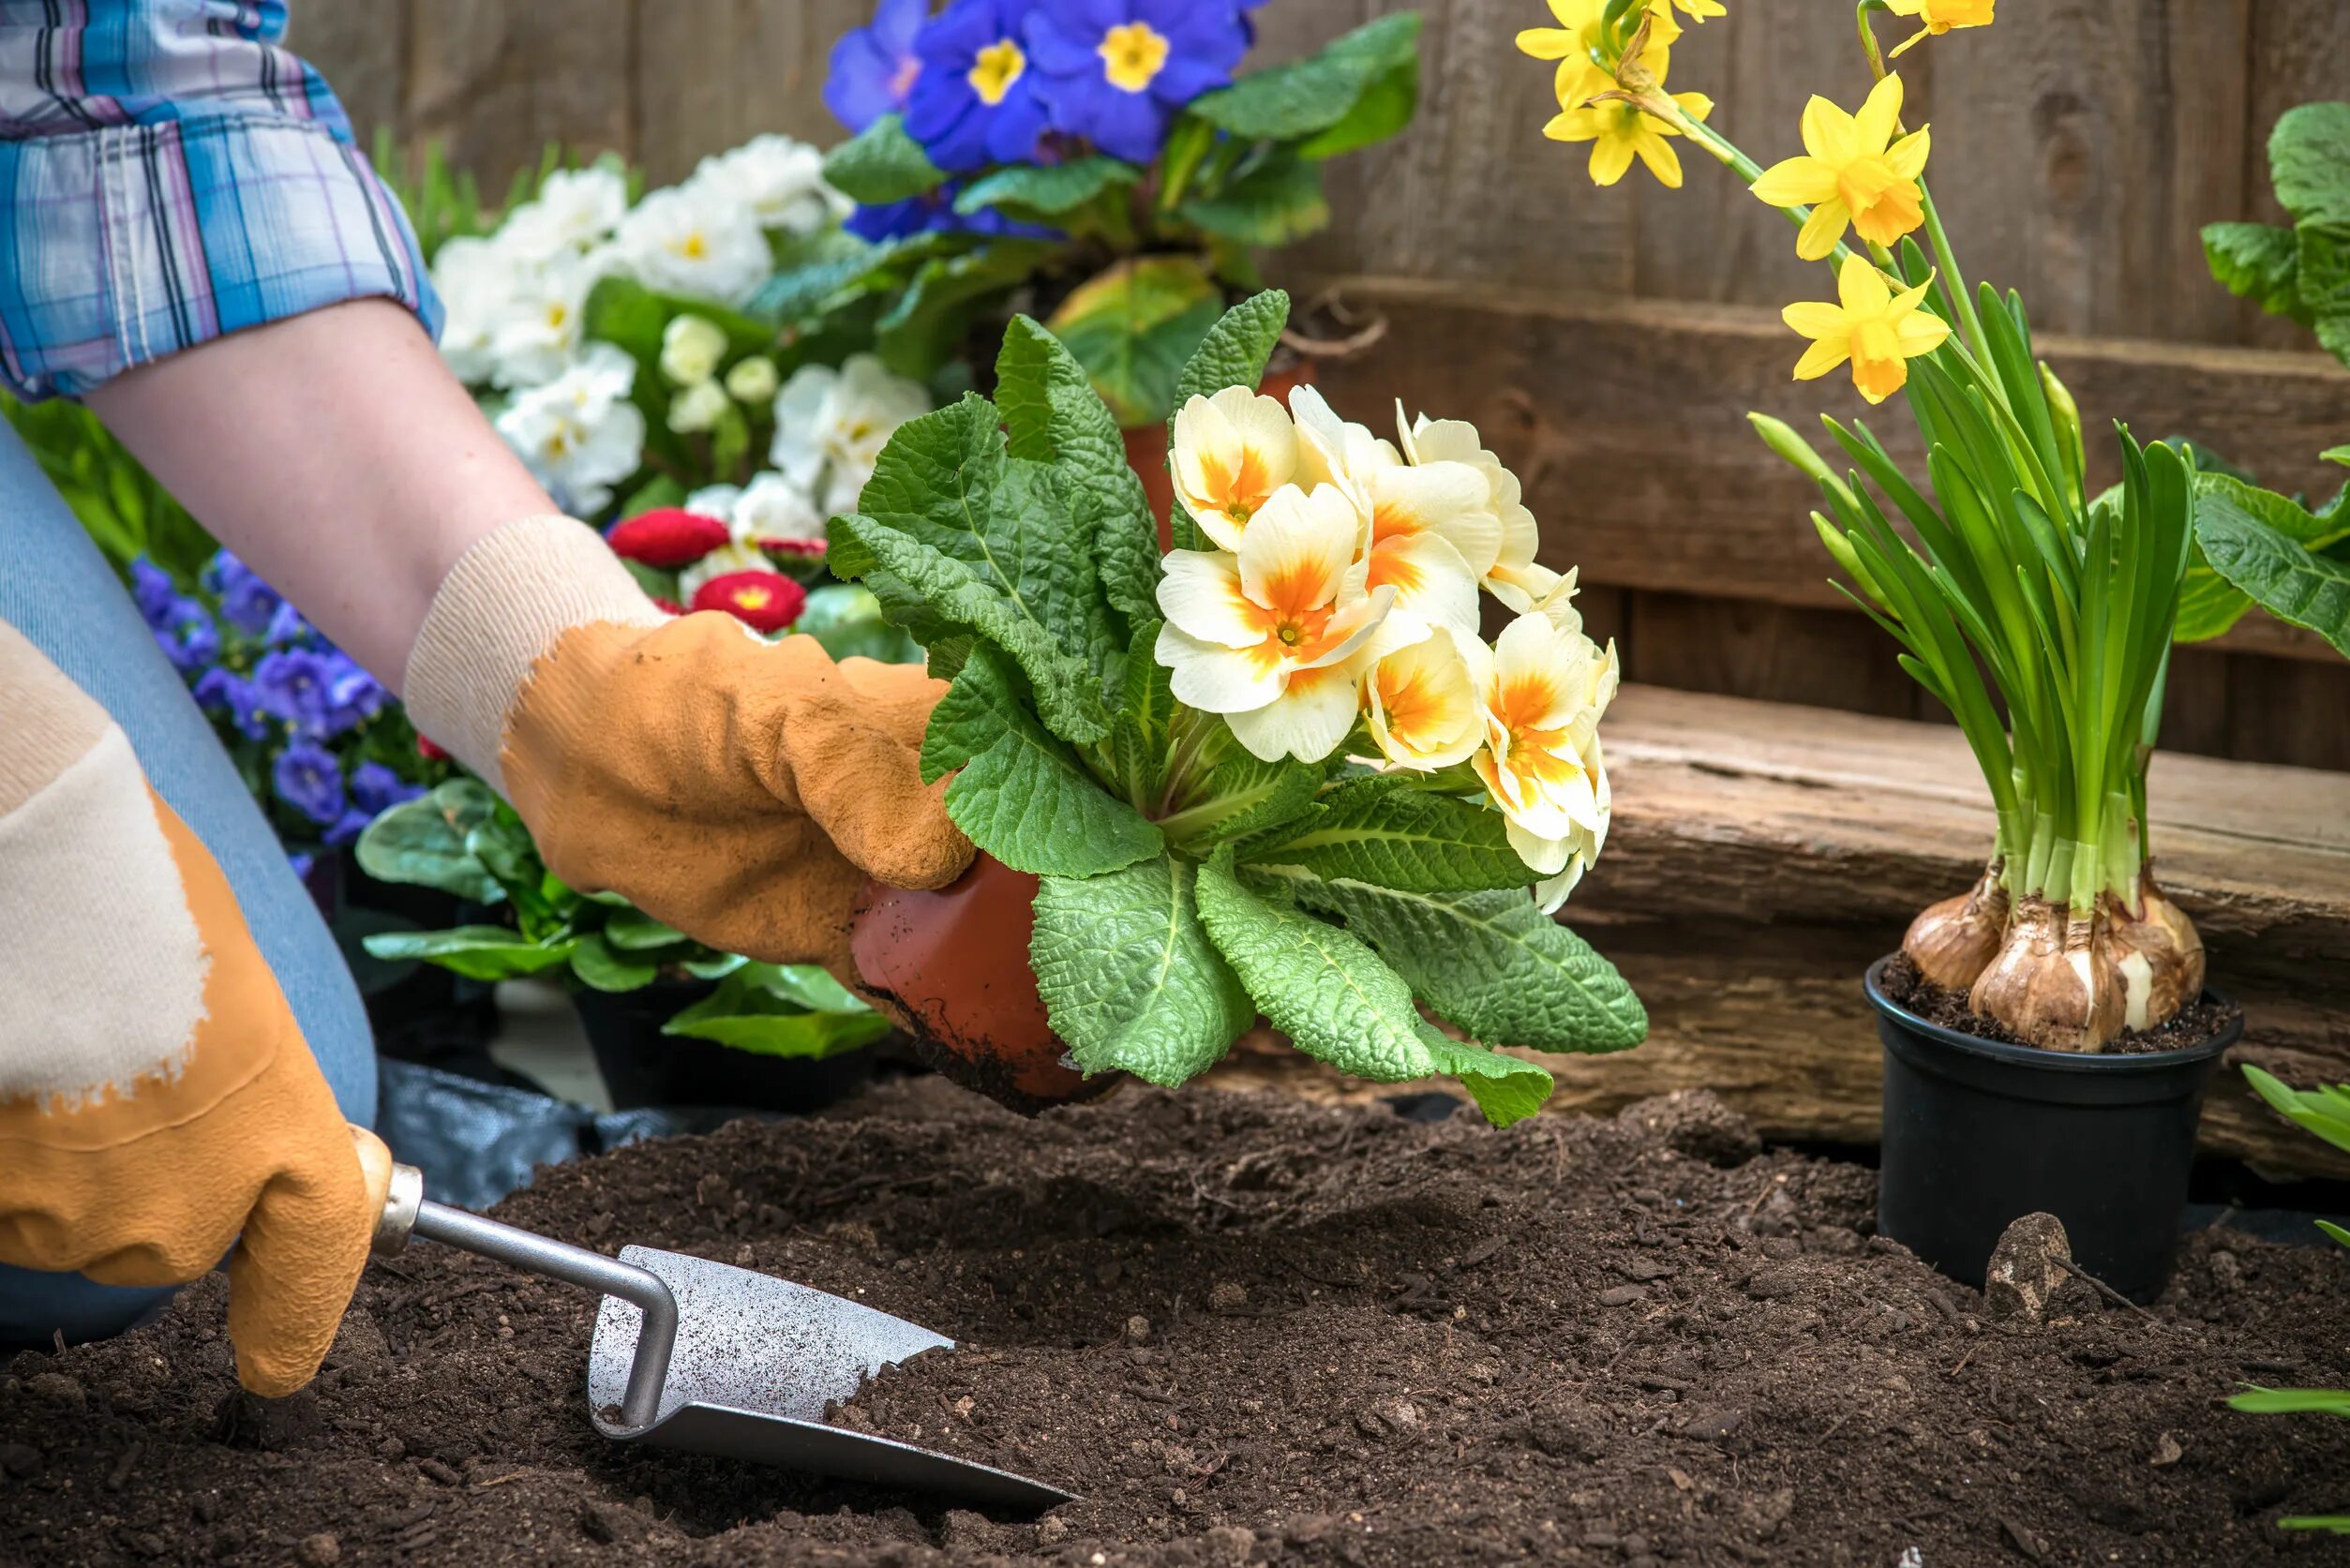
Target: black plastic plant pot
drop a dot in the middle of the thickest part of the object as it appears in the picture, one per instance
(1979, 1133)
(642, 1067)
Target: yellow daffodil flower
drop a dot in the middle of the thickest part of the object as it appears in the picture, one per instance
(1620, 131)
(1232, 452)
(1572, 41)
(1546, 690)
(1699, 10)
(1855, 174)
(1421, 701)
(1275, 636)
(1875, 328)
(1941, 16)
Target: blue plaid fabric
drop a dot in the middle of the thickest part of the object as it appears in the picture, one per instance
(170, 173)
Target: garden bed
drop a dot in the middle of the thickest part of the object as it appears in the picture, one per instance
(1245, 1329)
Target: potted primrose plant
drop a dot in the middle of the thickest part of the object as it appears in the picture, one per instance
(1100, 166)
(1276, 772)
(2047, 1035)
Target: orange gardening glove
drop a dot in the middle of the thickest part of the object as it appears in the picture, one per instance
(157, 1102)
(737, 789)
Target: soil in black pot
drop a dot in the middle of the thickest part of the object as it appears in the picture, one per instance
(1247, 1330)
(2192, 1025)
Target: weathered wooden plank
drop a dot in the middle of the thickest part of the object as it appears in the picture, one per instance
(363, 52)
(740, 68)
(496, 84)
(1762, 856)
(1625, 421)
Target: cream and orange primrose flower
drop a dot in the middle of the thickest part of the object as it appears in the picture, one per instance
(1513, 577)
(1875, 328)
(1545, 692)
(1421, 701)
(1232, 452)
(1620, 131)
(1941, 16)
(1275, 636)
(1854, 175)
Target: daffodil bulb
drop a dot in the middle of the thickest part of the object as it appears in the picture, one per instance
(691, 348)
(1421, 702)
(1232, 452)
(1544, 695)
(753, 381)
(1276, 635)
(1512, 576)
(698, 408)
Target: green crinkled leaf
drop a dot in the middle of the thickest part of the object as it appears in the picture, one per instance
(1338, 1002)
(2308, 162)
(2208, 604)
(881, 164)
(1317, 92)
(2337, 455)
(2263, 544)
(1129, 976)
(810, 270)
(1046, 190)
(1494, 964)
(1400, 837)
(422, 842)
(634, 930)
(1139, 734)
(1385, 110)
(846, 622)
(2323, 281)
(1277, 202)
(1133, 327)
(476, 953)
(1024, 797)
(602, 965)
(931, 319)
(777, 1010)
(985, 542)
(2257, 261)
(1052, 415)
(1246, 795)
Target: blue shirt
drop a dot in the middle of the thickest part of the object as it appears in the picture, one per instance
(170, 173)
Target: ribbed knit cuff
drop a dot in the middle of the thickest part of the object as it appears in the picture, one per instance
(50, 724)
(502, 608)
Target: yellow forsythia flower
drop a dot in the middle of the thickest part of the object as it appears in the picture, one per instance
(1941, 16)
(1855, 174)
(1875, 328)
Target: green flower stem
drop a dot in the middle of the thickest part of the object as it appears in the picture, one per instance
(1747, 168)
(1969, 323)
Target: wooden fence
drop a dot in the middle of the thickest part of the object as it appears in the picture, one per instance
(1607, 341)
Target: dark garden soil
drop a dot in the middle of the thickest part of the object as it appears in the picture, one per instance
(1246, 1330)
(2190, 1026)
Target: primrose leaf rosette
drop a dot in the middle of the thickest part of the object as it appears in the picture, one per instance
(1277, 771)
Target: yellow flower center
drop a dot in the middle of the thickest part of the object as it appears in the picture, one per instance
(752, 598)
(1290, 633)
(994, 69)
(1132, 55)
(694, 247)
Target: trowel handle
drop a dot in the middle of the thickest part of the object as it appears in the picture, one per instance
(406, 1212)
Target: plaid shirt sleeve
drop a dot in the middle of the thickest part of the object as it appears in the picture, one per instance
(170, 173)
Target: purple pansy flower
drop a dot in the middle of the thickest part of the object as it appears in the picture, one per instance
(347, 827)
(152, 590)
(307, 778)
(1117, 72)
(247, 601)
(975, 101)
(292, 684)
(187, 636)
(933, 212)
(286, 627)
(352, 696)
(375, 788)
(875, 68)
(222, 691)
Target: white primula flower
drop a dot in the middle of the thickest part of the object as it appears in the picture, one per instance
(779, 181)
(1513, 576)
(753, 380)
(698, 408)
(578, 433)
(691, 348)
(772, 509)
(476, 280)
(832, 425)
(1422, 701)
(684, 242)
(572, 211)
(737, 556)
(1232, 452)
(1545, 693)
(1275, 636)
(538, 331)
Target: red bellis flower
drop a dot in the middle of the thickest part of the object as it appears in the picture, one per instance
(763, 601)
(667, 537)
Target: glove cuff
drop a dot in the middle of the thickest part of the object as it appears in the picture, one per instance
(502, 608)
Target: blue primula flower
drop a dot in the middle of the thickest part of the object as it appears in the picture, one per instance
(152, 590)
(286, 627)
(933, 212)
(975, 101)
(375, 788)
(1117, 72)
(307, 778)
(187, 634)
(875, 68)
(225, 692)
(352, 696)
(248, 602)
(292, 685)
(347, 827)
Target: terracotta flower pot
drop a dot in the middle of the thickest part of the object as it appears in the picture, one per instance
(955, 962)
(1146, 449)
